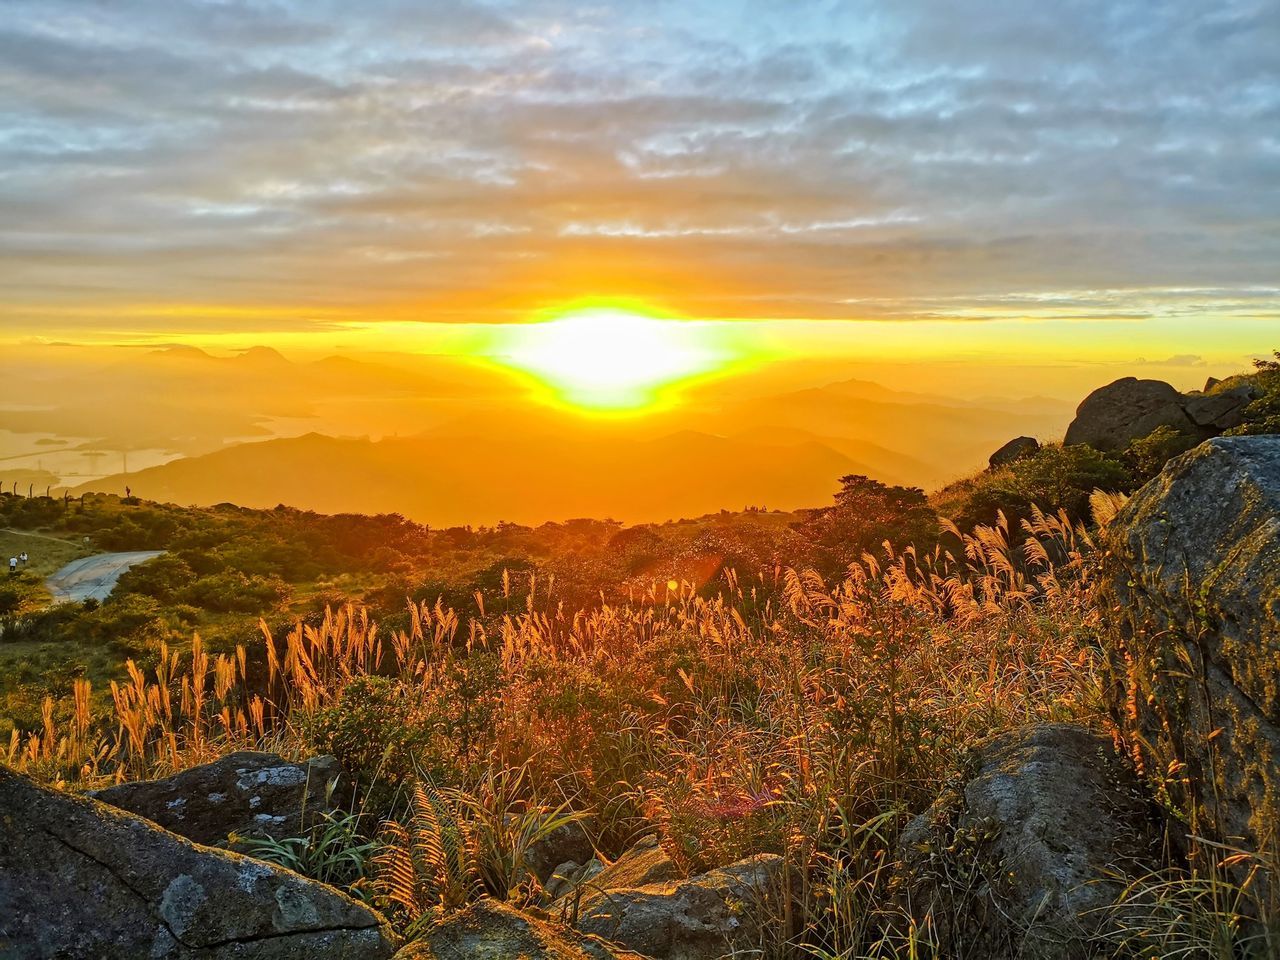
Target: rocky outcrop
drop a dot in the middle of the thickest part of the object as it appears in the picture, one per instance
(1194, 646)
(79, 878)
(728, 911)
(245, 793)
(1221, 410)
(1112, 417)
(1015, 449)
(496, 931)
(1023, 853)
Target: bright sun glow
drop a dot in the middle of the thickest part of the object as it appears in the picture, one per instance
(608, 359)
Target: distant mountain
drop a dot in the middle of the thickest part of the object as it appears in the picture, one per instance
(501, 478)
(925, 440)
(451, 456)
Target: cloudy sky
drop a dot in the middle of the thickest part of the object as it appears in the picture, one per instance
(184, 166)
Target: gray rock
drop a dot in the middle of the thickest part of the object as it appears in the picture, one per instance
(1113, 416)
(730, 911)
(570, 876)
(242, 793)
(567, 842)
(1015, 449)
(1194, 639)
(1021, 857)
(1222, 410)
(644, 863)
(495, 931)
(79, 878)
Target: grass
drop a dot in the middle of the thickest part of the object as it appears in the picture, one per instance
(47, 555)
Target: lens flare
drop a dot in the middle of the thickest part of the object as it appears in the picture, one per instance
(609, 359)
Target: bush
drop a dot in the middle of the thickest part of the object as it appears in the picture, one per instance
(1056, 477)
(163, 578)
(384, 732)
(1263, 414)
(235, 592)
(1147, 455)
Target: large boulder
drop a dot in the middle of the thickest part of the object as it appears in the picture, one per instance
(246, 793)
(1023, 853)
(1194, 646)
(730, 911)
(494, 931)
(1112, 417)
(79, 878)
(1016, 449)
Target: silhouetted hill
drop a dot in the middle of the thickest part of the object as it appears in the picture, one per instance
(507, 478)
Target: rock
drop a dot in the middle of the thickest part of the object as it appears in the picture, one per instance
(1194, 641)
(243, 793)
(1210, 383)
(569, 876)
(1113, 416)
(1021, 857)
(494, 931)
(1015, 449)
(79, 878)
(567, 842)
(644, 863)
(1222, 410)
(729, 911)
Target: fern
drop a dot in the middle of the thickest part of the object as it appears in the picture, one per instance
(427, 864)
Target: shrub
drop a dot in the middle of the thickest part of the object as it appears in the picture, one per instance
(163, 578)
(1056, 477)
(385, 733)
(235, 592)
(1263, 414)
(1147, 455)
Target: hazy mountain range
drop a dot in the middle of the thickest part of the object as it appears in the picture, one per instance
(448, 442)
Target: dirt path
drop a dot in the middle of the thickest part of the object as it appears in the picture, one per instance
(93, 577)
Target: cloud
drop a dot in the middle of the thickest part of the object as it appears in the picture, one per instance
(466, 159)
(1180, 360)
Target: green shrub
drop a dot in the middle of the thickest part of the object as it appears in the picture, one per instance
(1147, 455)
(235, 592)
(163, 578)
(1263, 414)
(1056, 477)
(866, 514)
(385, 732)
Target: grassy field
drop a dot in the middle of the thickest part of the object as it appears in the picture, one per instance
(47, 554)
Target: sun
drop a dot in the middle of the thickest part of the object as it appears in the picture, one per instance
(608, 359)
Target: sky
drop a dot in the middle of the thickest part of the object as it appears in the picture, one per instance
(1075, 178)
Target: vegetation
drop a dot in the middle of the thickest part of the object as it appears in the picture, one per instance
(789, 715)
(1263, 414)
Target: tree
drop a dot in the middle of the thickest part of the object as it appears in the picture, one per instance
(865, 515)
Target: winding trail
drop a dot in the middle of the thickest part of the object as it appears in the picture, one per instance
(93, 577)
